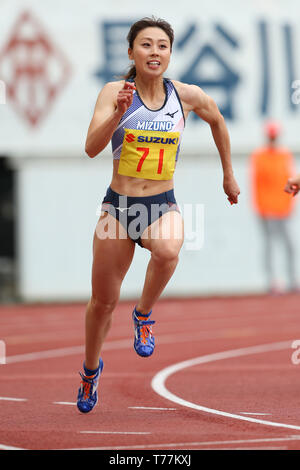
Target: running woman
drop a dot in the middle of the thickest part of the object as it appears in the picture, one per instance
(143, 116)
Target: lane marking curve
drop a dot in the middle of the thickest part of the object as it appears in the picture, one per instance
(159, 380)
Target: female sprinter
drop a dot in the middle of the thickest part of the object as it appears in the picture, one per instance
(144, 117)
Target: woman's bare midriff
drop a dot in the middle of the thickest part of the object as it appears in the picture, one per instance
(137, 187)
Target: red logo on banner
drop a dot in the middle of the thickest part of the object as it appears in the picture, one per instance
(33, 69)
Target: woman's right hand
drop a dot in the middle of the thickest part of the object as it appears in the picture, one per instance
(113, 101)
(125, 97)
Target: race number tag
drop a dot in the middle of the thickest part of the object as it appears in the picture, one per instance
(149, 154)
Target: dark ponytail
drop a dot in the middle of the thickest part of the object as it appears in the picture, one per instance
(138, 26)
(131, 73)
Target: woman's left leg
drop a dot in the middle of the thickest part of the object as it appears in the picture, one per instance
(164, 239)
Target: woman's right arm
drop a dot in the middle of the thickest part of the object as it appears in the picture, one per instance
(112, 102)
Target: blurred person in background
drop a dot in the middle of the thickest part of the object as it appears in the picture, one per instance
(271, 166)
(143, 116)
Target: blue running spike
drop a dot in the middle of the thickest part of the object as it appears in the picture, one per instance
(87, 393)
(143, 338)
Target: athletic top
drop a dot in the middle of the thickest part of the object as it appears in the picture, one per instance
(146, 141)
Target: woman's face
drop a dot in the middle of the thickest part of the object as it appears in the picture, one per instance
(151, 52)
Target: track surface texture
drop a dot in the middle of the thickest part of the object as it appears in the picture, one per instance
(224, 375)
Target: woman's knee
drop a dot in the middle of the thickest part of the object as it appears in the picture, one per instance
(166, 252)
(103, 307)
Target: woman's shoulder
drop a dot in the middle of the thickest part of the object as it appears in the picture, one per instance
(188, 93)
(179, 86)
(109, 91)
(113, 86)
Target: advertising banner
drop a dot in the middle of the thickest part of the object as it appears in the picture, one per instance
(55, 56)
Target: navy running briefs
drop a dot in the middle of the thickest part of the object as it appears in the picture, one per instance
(137, 213)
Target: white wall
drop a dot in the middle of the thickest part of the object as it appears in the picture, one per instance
(224, 45)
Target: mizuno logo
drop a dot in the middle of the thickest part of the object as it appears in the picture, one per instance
(171, 114)
(122, 209)
(155, 125)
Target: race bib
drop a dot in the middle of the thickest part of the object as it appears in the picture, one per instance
(149, 154)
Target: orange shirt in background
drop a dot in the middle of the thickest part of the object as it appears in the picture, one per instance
(270, 169)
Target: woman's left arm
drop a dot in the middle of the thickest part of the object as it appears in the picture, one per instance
(205, 107)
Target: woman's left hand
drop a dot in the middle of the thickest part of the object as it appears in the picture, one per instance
(231, 188)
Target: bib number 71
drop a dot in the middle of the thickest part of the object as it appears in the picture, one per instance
(145, 151)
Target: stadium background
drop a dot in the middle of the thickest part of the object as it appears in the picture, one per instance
(54, 59)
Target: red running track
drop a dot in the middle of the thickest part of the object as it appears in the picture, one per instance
(233, 385)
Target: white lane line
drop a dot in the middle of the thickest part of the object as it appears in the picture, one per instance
(3, 447)
(13, 399)
(182, 445)
(253, 441)
(250, 448)
(150, 408)
(158, 381)
(62, 352)
(51, 353)
(130, 407)
(255, 414)
(113, 432)
(108, 346)
(64, 403)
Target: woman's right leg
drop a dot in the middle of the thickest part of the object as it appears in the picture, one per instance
(112, 257)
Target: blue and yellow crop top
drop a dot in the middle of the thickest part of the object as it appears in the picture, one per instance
(147, 142)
